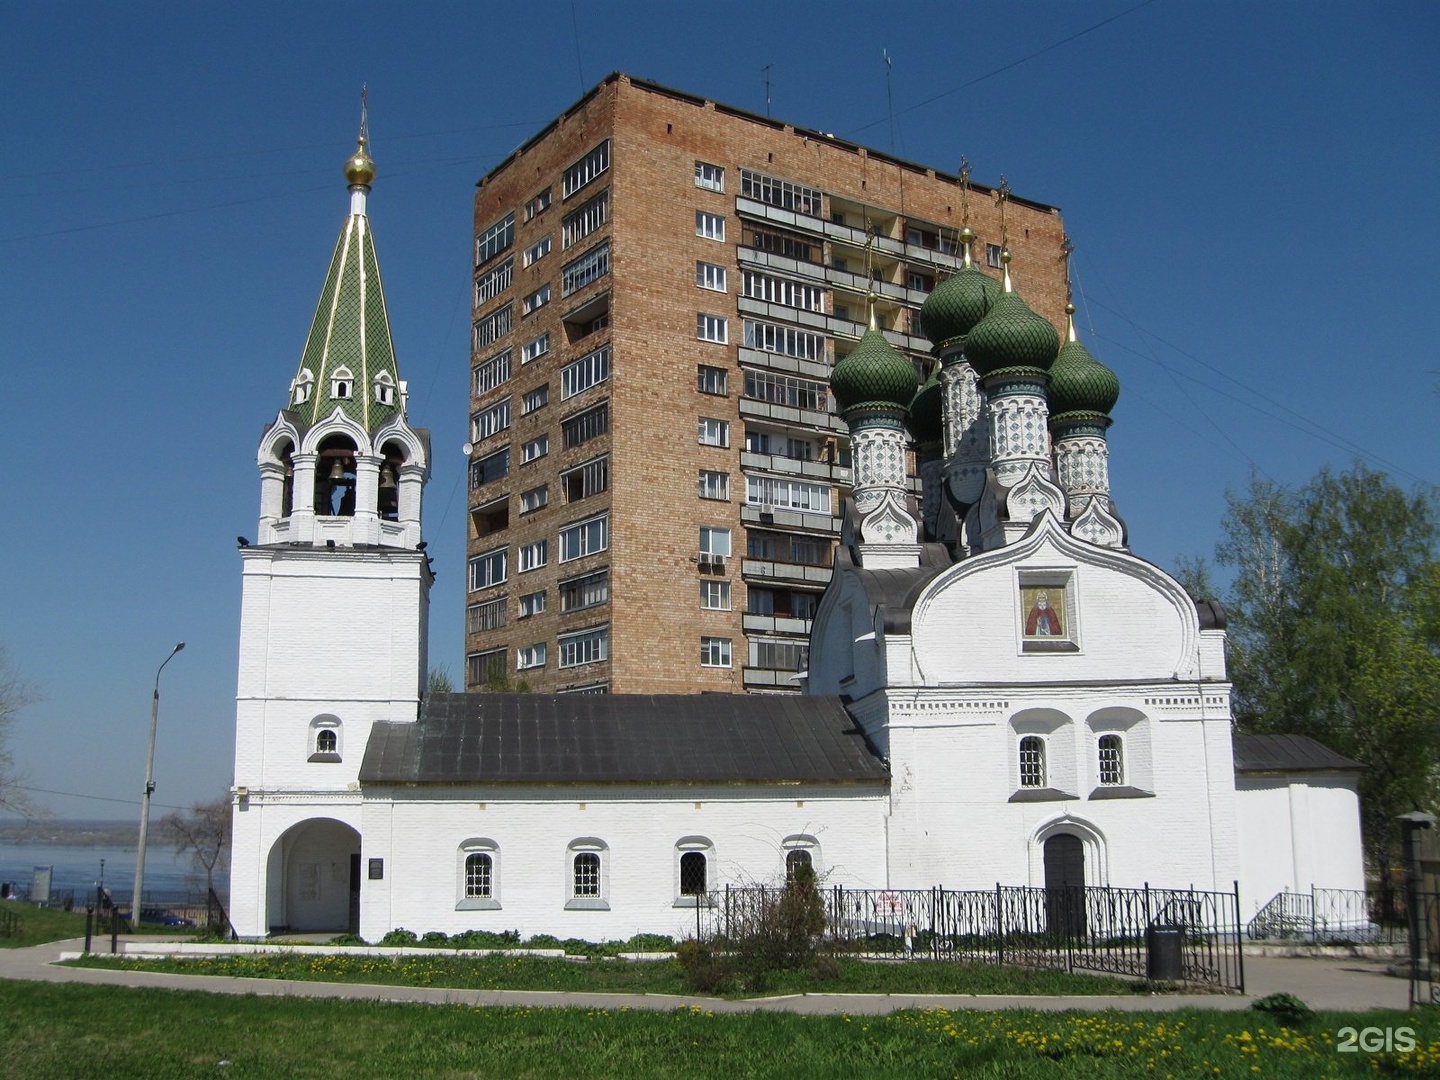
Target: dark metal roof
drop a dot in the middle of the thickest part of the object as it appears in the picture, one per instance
(583, 738)
(1288, 753)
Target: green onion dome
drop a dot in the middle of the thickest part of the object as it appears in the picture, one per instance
(1011, 336)
(927, 421)
(960, 301)
(1080, 386)
(875, 374)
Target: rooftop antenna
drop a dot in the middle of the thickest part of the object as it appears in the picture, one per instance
(889, 97)
(765, 71)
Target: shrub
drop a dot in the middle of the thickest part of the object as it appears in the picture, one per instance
(399, 937)
(1285, 1007)
(826, 969)
(486, 939)
(338, 939)
(650, 943)
(435, 939)
(706, 970)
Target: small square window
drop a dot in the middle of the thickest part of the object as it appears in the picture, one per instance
(530, 656)
(538, 299)
(710, 276)
(538, 250)
(711, 380)
(715, 652)
(532, 604)
(710, 226)
(535, 449)
(535, 399)
(714, 485)
(714, 328)
(708, 176)
(715, 595)
(992, 255)
(535, 349)
(714, 432)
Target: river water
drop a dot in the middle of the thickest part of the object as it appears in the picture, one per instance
(168, 875)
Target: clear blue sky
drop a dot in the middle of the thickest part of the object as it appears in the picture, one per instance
(1250, 187)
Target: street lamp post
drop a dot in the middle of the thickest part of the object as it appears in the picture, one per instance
(149, 788)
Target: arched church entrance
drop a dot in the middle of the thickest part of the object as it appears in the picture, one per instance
(314, 878)
(1065, 884)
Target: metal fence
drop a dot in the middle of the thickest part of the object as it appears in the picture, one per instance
(1423, 909)
(1333, 916)
(1182, 935)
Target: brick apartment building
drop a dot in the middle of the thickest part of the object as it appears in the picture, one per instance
(662, 287)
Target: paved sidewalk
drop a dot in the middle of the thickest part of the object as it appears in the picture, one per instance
(1349, 984)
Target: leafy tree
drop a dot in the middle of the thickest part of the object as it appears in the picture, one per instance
(204, 832)
(15, 694)
(438, 681)
(1334, 631)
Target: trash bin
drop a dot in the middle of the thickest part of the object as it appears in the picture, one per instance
(1163, 952)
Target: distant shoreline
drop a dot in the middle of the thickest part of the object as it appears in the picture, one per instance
(70, 833)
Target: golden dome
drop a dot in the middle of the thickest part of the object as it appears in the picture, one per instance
(359, 168)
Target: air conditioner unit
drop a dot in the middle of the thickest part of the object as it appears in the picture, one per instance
(766, 508)
(718, 562)
(705, 558)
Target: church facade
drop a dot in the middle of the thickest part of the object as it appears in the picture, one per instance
(998, 690)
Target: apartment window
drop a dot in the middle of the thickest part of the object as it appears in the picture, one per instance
(1112, 760)
(782, 193)
(710, 276)
(714, 432)
(530, 656)
(786, 603)
(919, 282)
(787, 494)
(714, 485)
(535, 349)
(534, 499)
(585, 219)
(992, 255)
(787, 244)
(714, 328)
(714, 652)
(586, 169)
(487, 616)
(535, 399)
(487, 569)
(491, 328)
(710, 226)
(532, 604)
(794, 548)
(485, 667)
(537, 204)
(490, 373)
(589, 479)
(491, 517)
(589, 591)
(775, 290)
(779, 655)
(708, 176)
(785, 340)
(1032, 762)
(585, 270)
(490, 468)
(715, 595)
(584, 538)
(533, 556)
(584, 647)
(493, 282)
(490, 421)
(538, 250)
(582, 427)
(711, 380)
(579, 375)
(787, 390)
(495, 239)
(535, 449)
(537, 299)
(714, 541)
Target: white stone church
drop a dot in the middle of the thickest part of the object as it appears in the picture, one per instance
(999, 691)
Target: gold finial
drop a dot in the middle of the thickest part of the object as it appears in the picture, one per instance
(360, 168)
(1008, 285)
(870, 300)
(1069, 318)
(964, 190)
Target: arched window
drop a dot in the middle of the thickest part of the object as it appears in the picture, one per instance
(1112, 760)
(384, 389)
(587, 874)
(303, 386)
(325, 734)
(326, 741)
(341, 384)
(389, 490)
(479, 868)
(796, 858)
(693, 873)
(287, 492)
(335, 477)
(1032, 762)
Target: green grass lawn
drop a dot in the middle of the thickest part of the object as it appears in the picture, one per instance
(40, 924)
(66, 1031)
(620, 976)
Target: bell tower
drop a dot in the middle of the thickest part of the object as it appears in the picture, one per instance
(335, 596)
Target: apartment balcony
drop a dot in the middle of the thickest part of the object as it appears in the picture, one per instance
(775, 681)
(777, 624)
(785, 466)
(770, 572)
(788, 365)
(836, 278)
(760, 516)
(784, 414)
